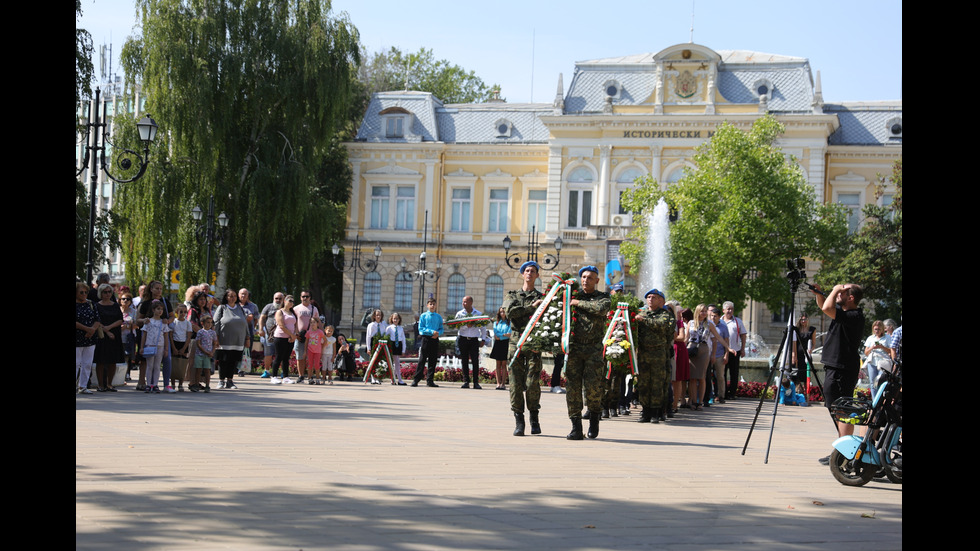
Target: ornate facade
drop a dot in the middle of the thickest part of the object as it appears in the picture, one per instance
(483, 172)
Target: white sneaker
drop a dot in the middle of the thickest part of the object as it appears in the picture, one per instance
(287, 381)
(170, 389)
(231, 386)
(221, 385)
(276, 380)
(85, 391)
(557, 390)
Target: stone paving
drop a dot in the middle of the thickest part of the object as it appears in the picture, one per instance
(364, 467)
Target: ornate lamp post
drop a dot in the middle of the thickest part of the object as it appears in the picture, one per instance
(369, 265)
(549, 262)
(207, 234)
(96, 127)
(422, 275)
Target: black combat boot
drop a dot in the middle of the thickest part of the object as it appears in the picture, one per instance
(576, 433)
(605, 413)
(535, 425)
(645, 416)
(614, 412)
(519, 429)
(594, 425)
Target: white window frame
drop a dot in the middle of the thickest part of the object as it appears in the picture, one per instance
(383, 203)
(537, 207)
(409, 211)
(851, 184)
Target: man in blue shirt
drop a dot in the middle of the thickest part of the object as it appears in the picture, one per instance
(430, 327)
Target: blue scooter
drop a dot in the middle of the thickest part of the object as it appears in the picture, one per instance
(856, 460)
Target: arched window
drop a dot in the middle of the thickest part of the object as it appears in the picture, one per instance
(494, 295)
(403, 292)
(457, 290)
(372, 290)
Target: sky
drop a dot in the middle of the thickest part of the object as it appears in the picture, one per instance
(856, 45)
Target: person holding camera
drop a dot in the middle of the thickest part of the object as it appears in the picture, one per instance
(841, 358)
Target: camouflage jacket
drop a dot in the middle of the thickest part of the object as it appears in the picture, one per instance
(655, 331)
(519, 306)
(590, 315)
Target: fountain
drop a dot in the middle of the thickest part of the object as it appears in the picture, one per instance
(653, 270)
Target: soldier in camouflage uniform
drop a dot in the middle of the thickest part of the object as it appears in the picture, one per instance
(655, 333)
(524, 372)
(585, 362)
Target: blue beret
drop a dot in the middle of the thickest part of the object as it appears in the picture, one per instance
(655, 292)
(592, 269)
(530, 263)
(616, 287)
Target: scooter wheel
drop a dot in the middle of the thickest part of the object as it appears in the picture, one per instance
(851, 473)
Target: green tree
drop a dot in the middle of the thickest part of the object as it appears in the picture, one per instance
(872, 256)
(250, 95)
(745, 210)
(394, 70)
(84, 69)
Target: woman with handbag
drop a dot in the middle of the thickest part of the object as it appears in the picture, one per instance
(397, 345)
(108, 349)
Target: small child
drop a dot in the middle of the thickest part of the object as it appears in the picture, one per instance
(315, 339)
(182, 331)
(327, 358)
(155, 346)
(206, 338)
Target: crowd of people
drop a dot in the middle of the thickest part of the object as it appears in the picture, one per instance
(685, 359)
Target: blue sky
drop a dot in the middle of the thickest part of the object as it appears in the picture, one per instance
(856, 44)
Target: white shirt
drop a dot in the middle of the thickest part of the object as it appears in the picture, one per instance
(466, 330)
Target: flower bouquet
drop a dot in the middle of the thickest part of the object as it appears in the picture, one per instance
(550, 328)
(620, 337)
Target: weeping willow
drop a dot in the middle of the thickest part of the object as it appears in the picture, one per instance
(249, 96)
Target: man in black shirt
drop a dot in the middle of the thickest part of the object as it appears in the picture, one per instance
(841, 357)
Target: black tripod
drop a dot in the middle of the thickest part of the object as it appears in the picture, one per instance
(784, 356)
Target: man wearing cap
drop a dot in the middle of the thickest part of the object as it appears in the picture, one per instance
(525, 370)
(584, 365)
(655, 335)
(267, 325)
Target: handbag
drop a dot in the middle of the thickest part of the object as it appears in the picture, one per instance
(149, 351)
(696, 339)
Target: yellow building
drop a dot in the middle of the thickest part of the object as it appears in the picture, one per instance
(483, 172)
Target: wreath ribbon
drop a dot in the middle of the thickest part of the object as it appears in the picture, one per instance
(621, 316)
(566, 327)
(379, 349)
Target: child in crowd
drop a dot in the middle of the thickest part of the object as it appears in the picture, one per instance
(329, 348)
(345, 360)
(155, 345)
(182, 331)
(315, 340)
(397, 345)
(204, 354)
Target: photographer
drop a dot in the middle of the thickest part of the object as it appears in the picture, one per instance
(841, 357)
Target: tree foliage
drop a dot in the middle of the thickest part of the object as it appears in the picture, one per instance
(743, 212)
(84, 69)
(394, 70)
(249, 95)
(872, 256)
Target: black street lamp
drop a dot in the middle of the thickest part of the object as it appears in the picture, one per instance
(207, 234)
(368, 266)
(549, 262)
(147, 128)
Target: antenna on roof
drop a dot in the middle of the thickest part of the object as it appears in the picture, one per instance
(692, 21)
(532, 65)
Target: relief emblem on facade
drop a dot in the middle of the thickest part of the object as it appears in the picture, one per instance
(687, 85)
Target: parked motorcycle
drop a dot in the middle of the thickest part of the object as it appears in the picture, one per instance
(856, 460)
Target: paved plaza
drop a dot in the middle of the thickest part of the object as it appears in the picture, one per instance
(362, 467)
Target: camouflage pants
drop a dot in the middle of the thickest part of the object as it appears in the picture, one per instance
(615, 386)
(583, 368)
(651, 382)
(524, 375)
